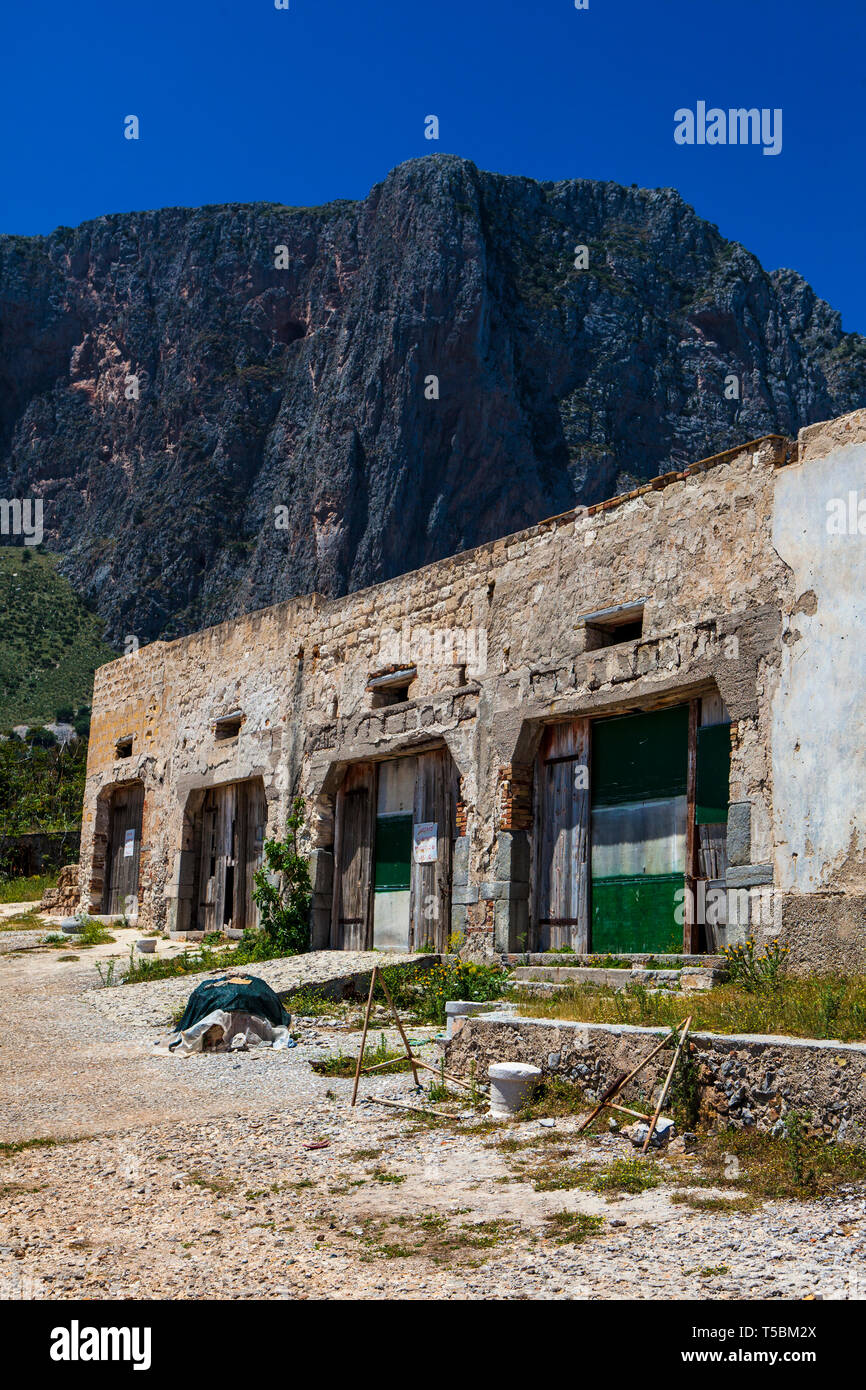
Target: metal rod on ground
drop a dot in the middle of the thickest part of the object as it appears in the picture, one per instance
(409, 1052)
(364, 1034)
(611, 1105)
(666, 1087)
(623, 1081)
(437, 1071)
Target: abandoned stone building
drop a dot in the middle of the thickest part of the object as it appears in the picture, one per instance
(635, 727)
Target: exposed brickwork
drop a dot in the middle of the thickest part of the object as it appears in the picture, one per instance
(514, 797)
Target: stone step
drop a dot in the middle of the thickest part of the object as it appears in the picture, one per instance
(633, 960)
(688, 979)
(544, 990)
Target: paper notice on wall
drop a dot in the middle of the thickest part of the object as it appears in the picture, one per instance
(425, 841)
(128, 844)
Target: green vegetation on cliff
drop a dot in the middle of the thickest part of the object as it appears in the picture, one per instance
(41, 789)
(50, 643)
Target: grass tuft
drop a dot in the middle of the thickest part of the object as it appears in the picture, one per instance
(573, 1227)
(388, 1060)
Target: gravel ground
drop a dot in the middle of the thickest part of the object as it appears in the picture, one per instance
(205, 1177)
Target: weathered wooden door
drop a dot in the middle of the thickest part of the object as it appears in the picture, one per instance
(252, 824)
(207, 874)
(354, 840)
(232, 837)
(434, 811)
(562, 837)
(124, 848)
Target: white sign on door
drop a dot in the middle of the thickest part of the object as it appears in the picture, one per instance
(128, 844)
(425, 838)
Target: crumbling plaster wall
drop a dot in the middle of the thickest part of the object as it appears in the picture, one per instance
(499, 648)
(818, 743)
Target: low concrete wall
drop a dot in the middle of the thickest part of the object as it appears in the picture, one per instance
(744, 1079)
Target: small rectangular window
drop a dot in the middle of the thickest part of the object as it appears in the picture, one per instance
(123, 747)
(611, 627)
(228, 725)
(391, 687)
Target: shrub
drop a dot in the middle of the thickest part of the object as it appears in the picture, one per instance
(754, 971)
(425, 992)
(41, 738)
(284, 905)
(91, 932)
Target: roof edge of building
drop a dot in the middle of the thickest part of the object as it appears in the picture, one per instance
(787, 450)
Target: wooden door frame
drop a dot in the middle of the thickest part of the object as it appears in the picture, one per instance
(337, 936)
(117, 790)
(446, 850)
(539, 764)
(691, 929)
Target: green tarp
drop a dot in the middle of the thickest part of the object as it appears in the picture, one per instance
(236, 993)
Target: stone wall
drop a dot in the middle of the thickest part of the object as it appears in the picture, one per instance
(63, 898)
(744, 1080)
(495, 638)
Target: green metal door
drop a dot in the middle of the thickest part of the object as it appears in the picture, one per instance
(638, 824)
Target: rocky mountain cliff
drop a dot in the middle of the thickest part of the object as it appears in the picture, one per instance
(303, 387)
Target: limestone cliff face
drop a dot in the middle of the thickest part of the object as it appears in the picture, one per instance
(303, 388)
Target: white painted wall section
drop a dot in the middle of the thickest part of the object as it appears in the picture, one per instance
(819, 707)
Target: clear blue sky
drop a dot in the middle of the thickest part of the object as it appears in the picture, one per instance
(239, 101)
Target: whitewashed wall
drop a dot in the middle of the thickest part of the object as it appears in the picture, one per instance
(819, 707)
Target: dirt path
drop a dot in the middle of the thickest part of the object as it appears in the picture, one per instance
(198, 1177)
